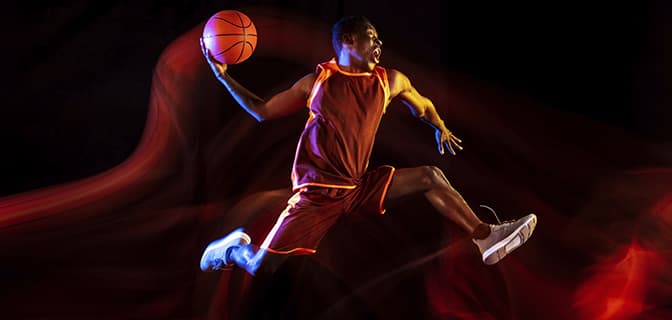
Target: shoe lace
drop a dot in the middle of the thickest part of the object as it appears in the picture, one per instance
(494, 213)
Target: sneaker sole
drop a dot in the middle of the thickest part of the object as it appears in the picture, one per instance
(516, 239)
(237, 237)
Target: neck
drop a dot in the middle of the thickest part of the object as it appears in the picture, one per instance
(347, 64)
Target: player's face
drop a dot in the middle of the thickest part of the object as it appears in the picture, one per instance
(367, 48)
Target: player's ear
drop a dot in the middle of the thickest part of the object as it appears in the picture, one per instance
(348, 39)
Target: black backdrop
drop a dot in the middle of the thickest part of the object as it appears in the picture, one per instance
(122, 158)
(77, 73)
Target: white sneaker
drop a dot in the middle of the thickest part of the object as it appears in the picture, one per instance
(506, 237)
(214, 257)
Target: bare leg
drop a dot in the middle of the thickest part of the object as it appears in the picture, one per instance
(438, 191)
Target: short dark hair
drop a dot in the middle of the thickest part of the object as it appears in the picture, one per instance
(347, 25)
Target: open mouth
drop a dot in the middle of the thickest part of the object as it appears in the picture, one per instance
(376, 54)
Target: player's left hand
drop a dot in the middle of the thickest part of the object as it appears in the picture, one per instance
(446, 140)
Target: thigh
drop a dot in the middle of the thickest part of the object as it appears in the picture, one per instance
(408, 181)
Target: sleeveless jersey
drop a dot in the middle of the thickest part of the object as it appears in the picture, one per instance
(345, 111)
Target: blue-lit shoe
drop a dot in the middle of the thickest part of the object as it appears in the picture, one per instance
(215, 255)
(505, 238)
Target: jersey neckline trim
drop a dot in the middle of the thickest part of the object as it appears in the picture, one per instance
(338, 68)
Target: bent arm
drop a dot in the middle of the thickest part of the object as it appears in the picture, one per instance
(280, 105)
(420, 106)
(423, 109)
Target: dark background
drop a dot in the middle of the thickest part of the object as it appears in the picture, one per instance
(76, 74)
(562, 106)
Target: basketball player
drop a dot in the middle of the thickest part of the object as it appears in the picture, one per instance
(346, 98)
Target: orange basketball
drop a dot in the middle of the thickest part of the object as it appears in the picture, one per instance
(230, 36)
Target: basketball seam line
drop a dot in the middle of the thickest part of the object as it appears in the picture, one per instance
(244, 37)
(233, 24)
(228, 34)
(229, 48)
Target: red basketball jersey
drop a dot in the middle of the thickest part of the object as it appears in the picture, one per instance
(345, 111)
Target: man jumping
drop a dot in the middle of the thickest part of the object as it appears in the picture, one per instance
(346, 98)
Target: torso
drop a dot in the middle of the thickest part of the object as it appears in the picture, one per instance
(345, 111)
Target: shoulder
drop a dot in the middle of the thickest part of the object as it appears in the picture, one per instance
(309, 78)
(395, 75)
(305, 84)
(398, 82)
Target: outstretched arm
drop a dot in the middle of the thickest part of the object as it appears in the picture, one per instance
(423, 109)
(281, 104)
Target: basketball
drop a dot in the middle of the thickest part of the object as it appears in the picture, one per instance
(230, 36)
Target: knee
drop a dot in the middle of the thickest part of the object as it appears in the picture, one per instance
(433, 177)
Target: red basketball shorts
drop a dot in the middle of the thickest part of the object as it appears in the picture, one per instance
(312, 211)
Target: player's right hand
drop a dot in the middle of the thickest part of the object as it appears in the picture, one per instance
(217, 67)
